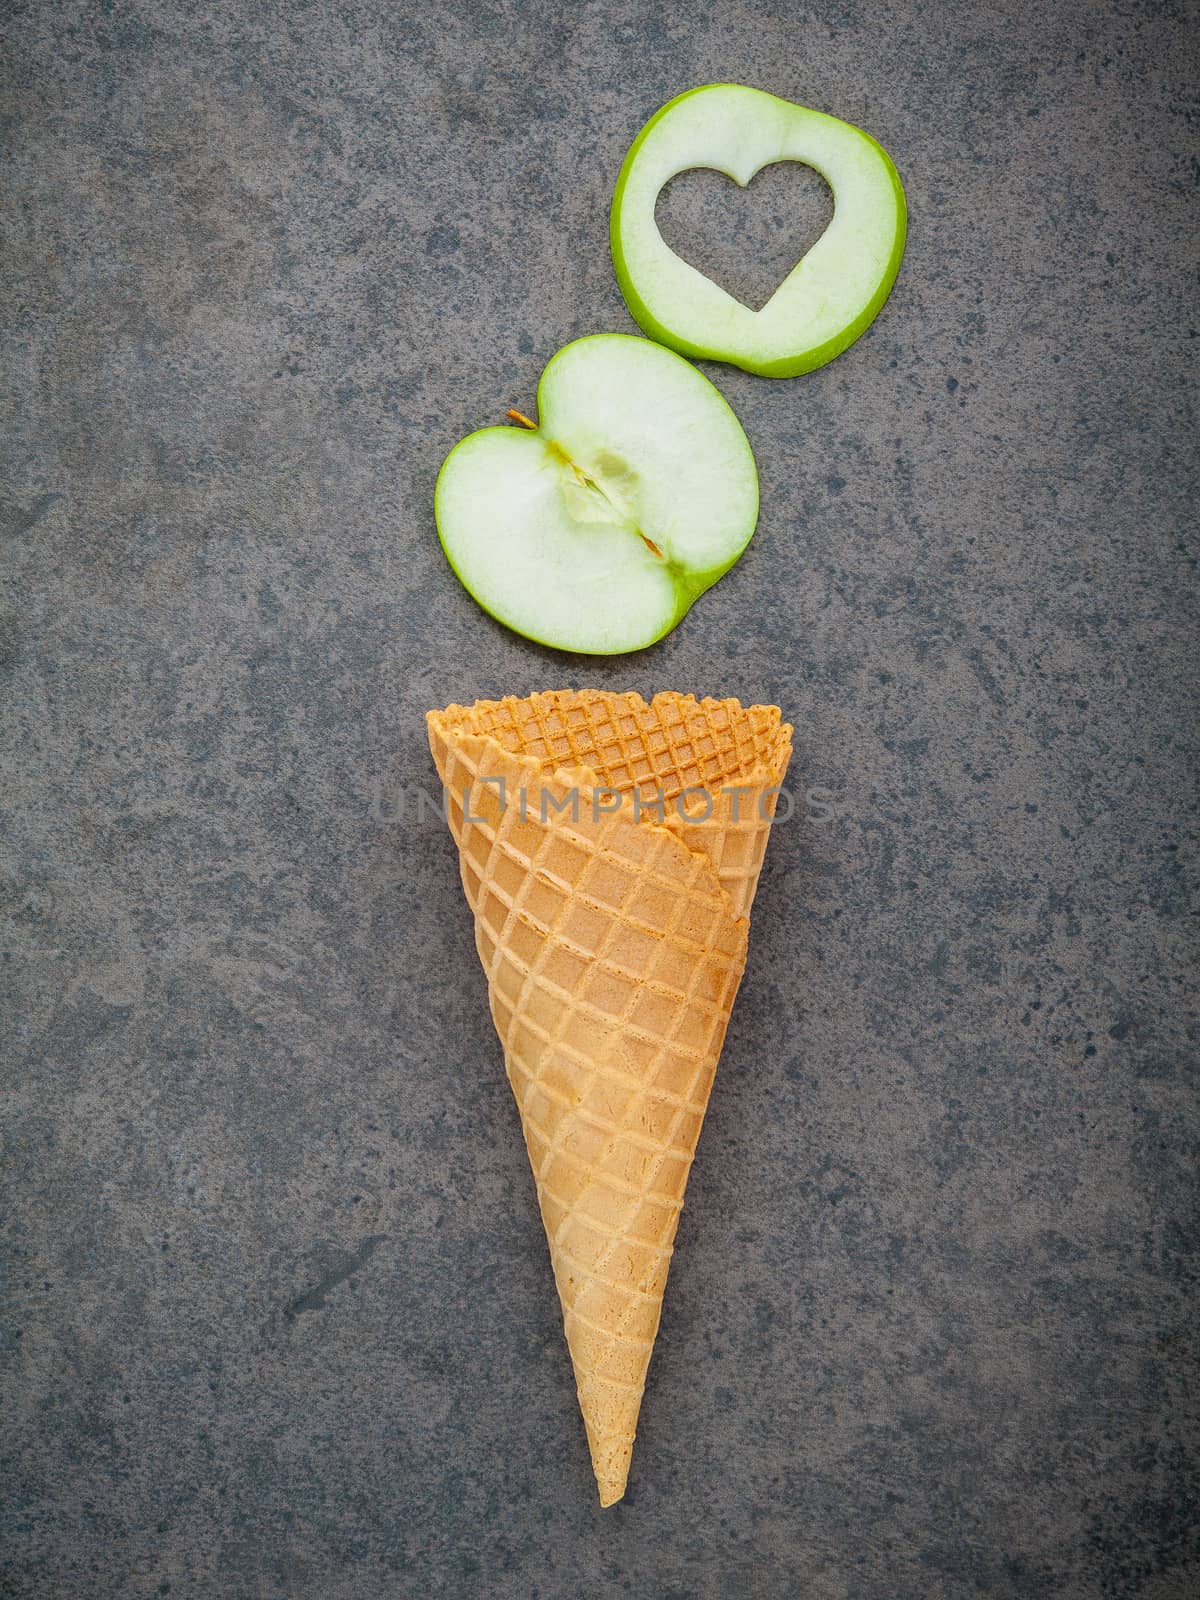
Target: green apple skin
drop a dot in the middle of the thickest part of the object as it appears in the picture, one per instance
(596, 534)
(693, 315)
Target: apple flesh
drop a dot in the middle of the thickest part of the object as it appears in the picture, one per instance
(828, 299)
(596, 529)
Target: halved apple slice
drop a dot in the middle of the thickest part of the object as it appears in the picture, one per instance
(835, 291)
(595, 529)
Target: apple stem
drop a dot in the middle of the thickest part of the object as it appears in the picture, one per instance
(519, 416)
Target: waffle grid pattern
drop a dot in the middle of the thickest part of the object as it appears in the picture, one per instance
(613, 955)
(672, 745)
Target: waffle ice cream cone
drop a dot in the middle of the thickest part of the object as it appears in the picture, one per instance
(611, 881)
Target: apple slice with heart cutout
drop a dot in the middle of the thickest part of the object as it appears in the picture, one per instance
(596, 528)
(827, 300)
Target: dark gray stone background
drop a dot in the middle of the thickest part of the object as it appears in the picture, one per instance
(280, 1320)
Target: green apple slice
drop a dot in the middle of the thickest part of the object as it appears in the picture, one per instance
(827, 300)
(596, 529)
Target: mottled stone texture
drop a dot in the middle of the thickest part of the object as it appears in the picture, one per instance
(279, 1318)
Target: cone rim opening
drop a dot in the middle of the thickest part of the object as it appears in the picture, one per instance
(675, 737)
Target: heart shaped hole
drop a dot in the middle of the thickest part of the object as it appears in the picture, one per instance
(746, 240)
